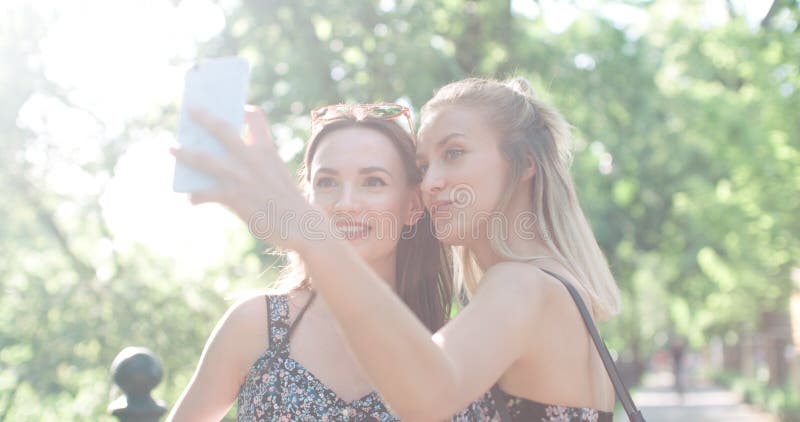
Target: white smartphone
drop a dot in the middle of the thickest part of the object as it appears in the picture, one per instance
(219, 86)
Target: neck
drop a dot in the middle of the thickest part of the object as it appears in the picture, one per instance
(385, 267)
(524, 238)
(487, 257)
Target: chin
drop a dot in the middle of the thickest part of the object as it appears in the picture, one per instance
(450, 233)
(367, 249)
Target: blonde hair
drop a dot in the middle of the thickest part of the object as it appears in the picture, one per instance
(424, 276)
(531, 129)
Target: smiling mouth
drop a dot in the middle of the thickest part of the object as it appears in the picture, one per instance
(353, 231)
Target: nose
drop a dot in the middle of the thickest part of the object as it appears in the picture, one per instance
(347, 200)
(432, 181)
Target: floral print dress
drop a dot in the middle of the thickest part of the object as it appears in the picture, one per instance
(521, 409)
(278, 388)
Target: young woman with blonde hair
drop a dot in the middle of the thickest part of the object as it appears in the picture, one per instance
(495, 180)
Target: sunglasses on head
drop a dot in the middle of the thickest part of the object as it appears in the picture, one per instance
(320, 116)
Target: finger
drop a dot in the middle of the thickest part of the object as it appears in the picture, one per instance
(258, 126)
(207, 163)
(224, 132)
(208, 196)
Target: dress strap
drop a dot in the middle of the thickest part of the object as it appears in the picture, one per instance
(613, 373)
(279, 328)
(277, 318)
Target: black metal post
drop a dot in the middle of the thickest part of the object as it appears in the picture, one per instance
(136, 371)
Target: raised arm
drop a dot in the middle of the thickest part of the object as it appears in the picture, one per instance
(425, 377)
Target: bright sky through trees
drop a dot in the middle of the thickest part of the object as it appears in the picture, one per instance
(122, 60)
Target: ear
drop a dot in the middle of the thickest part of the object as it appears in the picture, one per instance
(416, 209)
(530, 169)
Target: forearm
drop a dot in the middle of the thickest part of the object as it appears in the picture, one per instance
(409, 370)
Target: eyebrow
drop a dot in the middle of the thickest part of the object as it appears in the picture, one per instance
(365, 170)
(441, 142)
(447, 138)
(373, 169)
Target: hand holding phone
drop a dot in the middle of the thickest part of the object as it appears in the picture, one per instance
(219, 86)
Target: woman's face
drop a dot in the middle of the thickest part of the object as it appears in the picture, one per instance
(464, 173)
(357, 176)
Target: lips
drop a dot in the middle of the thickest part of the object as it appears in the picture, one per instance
(352, 231)
(441, 208)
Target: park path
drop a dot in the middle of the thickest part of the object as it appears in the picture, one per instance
(701, 402)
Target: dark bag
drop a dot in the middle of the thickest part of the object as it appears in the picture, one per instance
(624, 397)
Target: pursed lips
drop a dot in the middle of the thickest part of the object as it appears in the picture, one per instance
(441, 208)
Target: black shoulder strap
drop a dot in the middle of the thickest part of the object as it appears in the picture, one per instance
(633, 413)
(285, 340)
(619, 387)
(300, 314)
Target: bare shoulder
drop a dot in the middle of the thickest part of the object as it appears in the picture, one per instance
(241, 334)
(248, 313)
(244, 325)
(519, 289)
(519, 279)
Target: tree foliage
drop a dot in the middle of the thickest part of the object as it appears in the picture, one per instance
(687, 163)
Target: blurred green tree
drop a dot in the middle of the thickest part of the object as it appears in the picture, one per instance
(687, 163)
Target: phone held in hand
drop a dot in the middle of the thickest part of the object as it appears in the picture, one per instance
(220, 86)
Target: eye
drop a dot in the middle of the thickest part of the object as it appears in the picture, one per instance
(374, 181)
(423, 167)
(324, 183)
(453, 153)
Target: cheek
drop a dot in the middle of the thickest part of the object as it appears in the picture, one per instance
(493, 192)
(391, 200)
(326, 201)
(389, 212)
(487, 190)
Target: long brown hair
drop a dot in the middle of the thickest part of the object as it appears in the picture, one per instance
(423, 270)
(528, 127)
